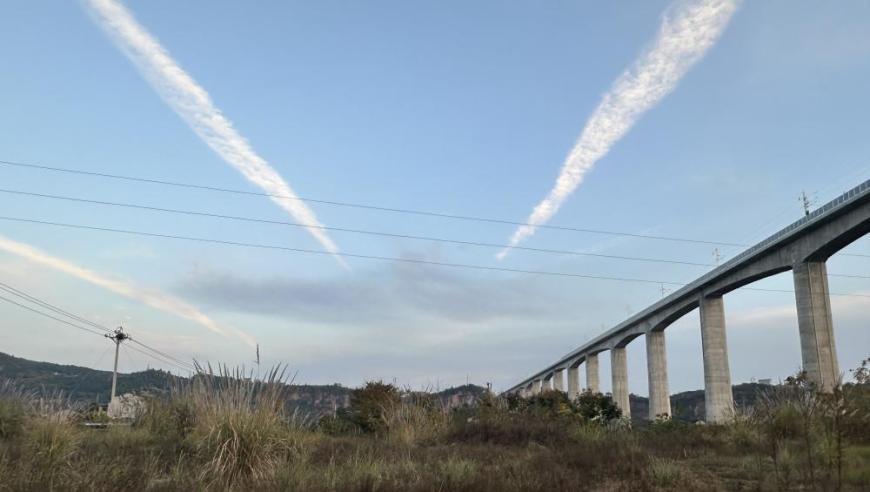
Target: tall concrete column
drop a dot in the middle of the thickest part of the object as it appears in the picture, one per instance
(657, 372)
(718, 399)
(558, 384)
(573, 382)
(537, 387)
(592, 373)
(619, 373)
(815, 324)
(548, 383)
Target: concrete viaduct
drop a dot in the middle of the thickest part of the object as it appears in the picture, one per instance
(803, 247)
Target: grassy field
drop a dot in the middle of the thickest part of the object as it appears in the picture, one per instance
(226, 432)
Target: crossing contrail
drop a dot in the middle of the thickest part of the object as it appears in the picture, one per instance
(191, 101)
(687, 31)
(151, 297)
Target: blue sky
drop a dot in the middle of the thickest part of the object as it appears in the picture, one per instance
(457, 107)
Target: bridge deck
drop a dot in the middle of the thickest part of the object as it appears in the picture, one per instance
(839, 205)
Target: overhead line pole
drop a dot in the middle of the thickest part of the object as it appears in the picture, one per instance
(118, 336)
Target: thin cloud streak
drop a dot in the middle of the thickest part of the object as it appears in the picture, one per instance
(151, 297)
(191, 101)
(686, 33)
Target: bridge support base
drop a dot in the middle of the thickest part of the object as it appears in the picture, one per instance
(718, 399)
(657, 372)
(537, 387)
(619, 372)
(815, 324)
(592, 373)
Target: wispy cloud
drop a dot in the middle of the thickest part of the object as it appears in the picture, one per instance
(686, 33)
(387, 294)
(151, 297)
(191, 101)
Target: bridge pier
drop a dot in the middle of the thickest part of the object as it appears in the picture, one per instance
(718, 398)
(537, 387)
(573, 381)
(558, 381)
(657, 372)
(548, 383)
(815, 324)
(592, 373)
(619, 375)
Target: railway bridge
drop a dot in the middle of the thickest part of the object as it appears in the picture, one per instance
(803, 247)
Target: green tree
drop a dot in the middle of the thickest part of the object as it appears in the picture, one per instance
(596, 407)
(368, 405)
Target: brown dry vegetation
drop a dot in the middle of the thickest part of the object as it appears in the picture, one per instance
(223, 431)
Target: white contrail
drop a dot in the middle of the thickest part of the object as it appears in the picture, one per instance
(686, 33)
(187, 98)
(151, 297)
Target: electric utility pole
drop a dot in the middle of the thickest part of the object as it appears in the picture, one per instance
(117, 336)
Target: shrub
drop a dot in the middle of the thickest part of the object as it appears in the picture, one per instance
(240, 427)
(13, 409)
(416, 417)
(665, 472)
(550, 403)
(50, 444)
(368, 405)
(337, 424)
(596, 407)
(453, 472)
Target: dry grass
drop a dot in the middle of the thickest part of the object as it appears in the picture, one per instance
(224, 430)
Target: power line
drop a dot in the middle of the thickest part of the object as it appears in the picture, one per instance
(389, 209)
(326, 253)
(12, 290)
(50, 316)
(350, 255)
(161, 359)
(341, 229)
(385, 209)
(178, 361)
(41, 313)
(364, 206)
(44, 304)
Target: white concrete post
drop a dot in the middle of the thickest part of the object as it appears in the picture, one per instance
(718, 399)
(548, 382)
(619, 373)
(537, 387)
(657, 372)
(558, 384)
(573, 382)
(592, 373)
(815, 324)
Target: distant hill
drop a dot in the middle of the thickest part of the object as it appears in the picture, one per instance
(78, 383)
(689, 405)
(90, 385)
